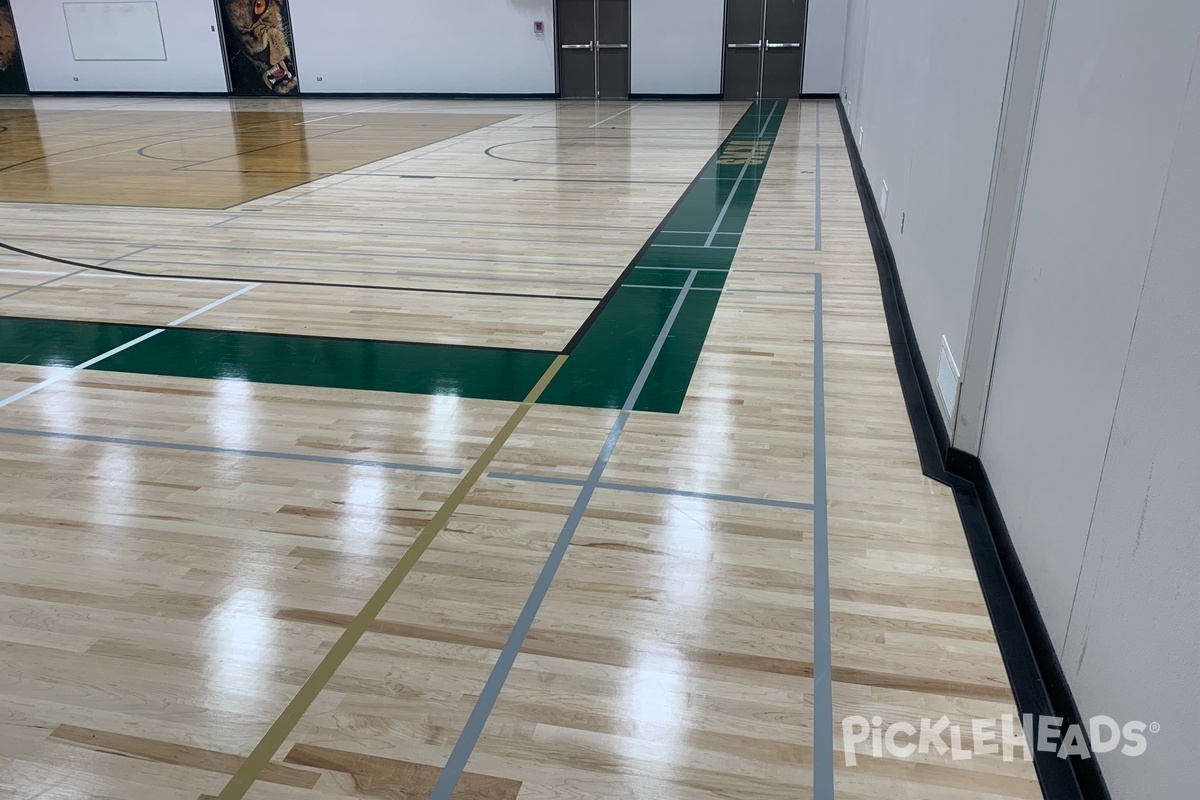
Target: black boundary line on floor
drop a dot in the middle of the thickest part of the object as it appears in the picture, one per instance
(645, 248)
(1038, 683)
(282, 282)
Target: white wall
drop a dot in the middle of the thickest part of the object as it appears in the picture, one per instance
(1091, 434)
(925, 82)
(190, 32)
(442, 46)
(677, 46)
(824, 43)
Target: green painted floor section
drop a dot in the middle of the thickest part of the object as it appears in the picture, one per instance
(483, 372)
(607, 360)
(701, 233)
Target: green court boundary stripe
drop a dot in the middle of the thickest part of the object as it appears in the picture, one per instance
(660, 228)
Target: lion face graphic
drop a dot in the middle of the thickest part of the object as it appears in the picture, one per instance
(263, 36)
(8, 39)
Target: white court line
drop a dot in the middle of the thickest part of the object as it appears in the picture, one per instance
(123, 276)
(37, 387)
(32, 272)
(213, 305)
(614, 116)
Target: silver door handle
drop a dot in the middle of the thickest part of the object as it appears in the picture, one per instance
(756, 46)
(613, 46)
(783, 45)
(587, 46)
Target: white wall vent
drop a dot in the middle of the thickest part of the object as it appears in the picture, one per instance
(947, 379)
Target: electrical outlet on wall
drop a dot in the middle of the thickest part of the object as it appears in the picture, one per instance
(883, 197)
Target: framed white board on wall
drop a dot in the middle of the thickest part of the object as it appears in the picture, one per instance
(115, 31)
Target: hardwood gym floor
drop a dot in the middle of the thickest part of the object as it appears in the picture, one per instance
(343, 456)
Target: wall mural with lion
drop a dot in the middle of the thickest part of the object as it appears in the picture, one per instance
(258, 44)
(12, 71)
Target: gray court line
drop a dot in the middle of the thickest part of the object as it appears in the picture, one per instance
(231, 451)
(46, 282)
(822, 647)
(817, 204)
(728, 201)
(633, 487)
(737, 183)
(457, 763)
(762, 131)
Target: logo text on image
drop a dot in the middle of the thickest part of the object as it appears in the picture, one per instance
(985, 737)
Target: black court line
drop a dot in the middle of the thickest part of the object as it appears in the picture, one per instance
(281, 282)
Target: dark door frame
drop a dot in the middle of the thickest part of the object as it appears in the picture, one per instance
(596, 53)
(762, 30)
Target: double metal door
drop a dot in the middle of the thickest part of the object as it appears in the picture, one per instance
(764, 48)
(593, 48)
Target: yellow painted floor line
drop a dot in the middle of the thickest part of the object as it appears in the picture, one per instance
(265, 750)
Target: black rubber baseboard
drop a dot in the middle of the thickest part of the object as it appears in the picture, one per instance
(1039, 685)
(819, 95)
(655, 96)
(85, 93)
(323, 95)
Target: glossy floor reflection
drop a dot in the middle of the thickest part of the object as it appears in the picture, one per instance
(180, 554)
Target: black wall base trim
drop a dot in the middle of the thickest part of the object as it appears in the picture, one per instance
(1039, 685)
(87, 93)
(656, 96)
(302, 95)
(819, 95)
(432, 95)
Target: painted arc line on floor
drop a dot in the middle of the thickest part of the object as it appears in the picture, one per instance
(259, 758)
(464, 746)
